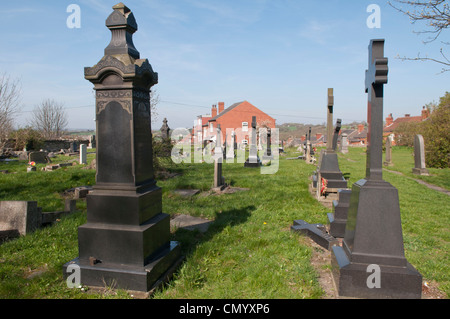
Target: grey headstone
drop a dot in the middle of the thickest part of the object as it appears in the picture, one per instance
(83, 154)
(25, 216)
(344, 143)
(419, 156)
(388, 153)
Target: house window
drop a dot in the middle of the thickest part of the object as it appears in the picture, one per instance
(244, 126)
(211, 128)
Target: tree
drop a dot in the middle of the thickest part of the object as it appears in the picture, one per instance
(436, 134)
(9, 106)
(436, 15)
(50, 119)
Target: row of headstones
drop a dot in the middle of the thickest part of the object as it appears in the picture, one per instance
(370, 261)
(126, 205)
(42, 157)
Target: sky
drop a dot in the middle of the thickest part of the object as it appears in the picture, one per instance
(279, 55)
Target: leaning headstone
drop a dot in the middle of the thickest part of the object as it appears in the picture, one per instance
(388, 153)
(419, 156)
(83, 154)
(126, 242)
(23, 216)
(253, 159)
(371, 262)
(336, 134)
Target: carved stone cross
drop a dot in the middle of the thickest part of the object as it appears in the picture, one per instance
(376, 77)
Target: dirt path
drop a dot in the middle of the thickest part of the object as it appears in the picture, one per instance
(431, 186)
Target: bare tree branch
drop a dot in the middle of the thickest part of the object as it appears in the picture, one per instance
(50, 119)
(436, 15)
(9, 106)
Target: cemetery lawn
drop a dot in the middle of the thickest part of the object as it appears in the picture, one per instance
(248, 250)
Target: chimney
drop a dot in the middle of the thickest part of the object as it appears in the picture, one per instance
(389, 120)
(360, 128)
(425, 113)
(214, 111)
(407, 115)
(221, 107)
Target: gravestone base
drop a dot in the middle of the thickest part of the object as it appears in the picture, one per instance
(395, 282)
(420, 171)
(338, 218)
(130, 277)
(253, 162)
(373, 236)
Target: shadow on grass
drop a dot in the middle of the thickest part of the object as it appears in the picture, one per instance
(191, 239)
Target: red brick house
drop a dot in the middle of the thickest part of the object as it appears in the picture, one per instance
(391, 124)
(236, 117)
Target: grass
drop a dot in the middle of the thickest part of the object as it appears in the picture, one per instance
(248, 251)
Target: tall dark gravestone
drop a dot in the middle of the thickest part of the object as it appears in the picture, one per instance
(126, 240)
(328, 167)
(371, 262)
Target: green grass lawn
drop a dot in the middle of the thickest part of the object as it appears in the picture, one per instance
(248, 251)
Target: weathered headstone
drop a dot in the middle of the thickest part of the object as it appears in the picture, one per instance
(165, 130)
(253, 159)
(344, 143)
(73, 147)
(83, 154)
(419, 156)
(328, 168)
(267, 132)
(336, 134)
(230, 147)
(126, 240)
(218, 160)
(38, 157)
(23, 216)
(388, 153)
(373, 234)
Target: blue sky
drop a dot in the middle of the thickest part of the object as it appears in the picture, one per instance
(280, 55)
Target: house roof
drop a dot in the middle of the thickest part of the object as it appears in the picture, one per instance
(400, 120)
(228, 109)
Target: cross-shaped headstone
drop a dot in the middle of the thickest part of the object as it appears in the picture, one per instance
(376, 77)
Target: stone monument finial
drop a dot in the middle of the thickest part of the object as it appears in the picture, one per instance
(122, 24)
